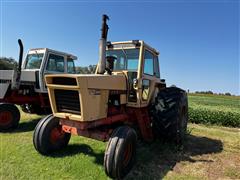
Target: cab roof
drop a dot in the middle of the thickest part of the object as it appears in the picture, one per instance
(53, 51)
(135, 42)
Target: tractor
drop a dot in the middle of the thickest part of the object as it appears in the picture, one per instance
(123, 102)
(25, 86)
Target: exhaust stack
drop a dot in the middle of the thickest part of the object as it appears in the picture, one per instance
(19, 63)
(102, 45)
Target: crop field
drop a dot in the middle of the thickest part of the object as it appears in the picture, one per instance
(209, 152)
(214, 109)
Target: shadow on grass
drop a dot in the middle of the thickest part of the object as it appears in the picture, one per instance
(23, 126)
(73, 149)
(154, 161)
(26, 126)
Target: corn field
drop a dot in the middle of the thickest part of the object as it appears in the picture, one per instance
(214, 109)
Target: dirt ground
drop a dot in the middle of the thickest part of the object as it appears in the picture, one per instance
(209, 152)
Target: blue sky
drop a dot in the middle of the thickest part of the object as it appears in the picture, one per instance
(198, 40)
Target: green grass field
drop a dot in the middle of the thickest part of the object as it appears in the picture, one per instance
(209, 152)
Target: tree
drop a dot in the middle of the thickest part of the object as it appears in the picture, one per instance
(86, 70)
(7, 63)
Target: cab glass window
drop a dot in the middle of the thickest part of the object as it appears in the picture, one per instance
(33, 61)
(55, 63)
(126, 59)
(156, 65)
(148, 63)
(70, 66)
(145, 89)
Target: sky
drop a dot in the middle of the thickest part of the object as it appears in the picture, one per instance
(198, 41)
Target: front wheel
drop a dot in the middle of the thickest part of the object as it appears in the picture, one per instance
(120, 152)
(48, 135)
(9, 116)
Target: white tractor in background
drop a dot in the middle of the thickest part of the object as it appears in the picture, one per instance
(25, 85)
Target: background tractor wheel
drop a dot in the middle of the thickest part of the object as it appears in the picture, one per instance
(9, 116)
(48, 135)
(170, 114)
(120, 152)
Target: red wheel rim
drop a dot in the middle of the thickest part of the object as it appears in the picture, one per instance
(5, 118)
(127, 155)
(56, 135)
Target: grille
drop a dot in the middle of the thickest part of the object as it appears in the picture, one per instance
(64, 81)
(67, 101)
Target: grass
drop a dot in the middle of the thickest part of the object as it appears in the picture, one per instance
(209, 152)
(214, 109)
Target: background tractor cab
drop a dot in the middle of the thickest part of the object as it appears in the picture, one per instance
(26, 87)
(42, 61)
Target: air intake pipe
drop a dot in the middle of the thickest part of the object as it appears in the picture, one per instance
(102, 45)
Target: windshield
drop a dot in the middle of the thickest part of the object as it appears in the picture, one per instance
(126, 59)
(33, 61)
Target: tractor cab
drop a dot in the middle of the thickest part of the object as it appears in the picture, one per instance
(42, 61)
(139, 62)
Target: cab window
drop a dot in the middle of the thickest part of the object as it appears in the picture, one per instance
(148, 63)
(34, 61)
(156, 67)
(145, 89)
(55, 63)
(126, 59)
(70, 66)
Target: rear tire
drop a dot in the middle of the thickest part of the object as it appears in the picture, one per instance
(48, 135)
(120, 153)
(9, 116)
(170, 114)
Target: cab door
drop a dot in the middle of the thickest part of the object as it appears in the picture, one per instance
(150, 77)
(55, 64)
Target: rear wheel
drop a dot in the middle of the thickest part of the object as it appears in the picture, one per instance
(120, 152)
(48, 135)
(9, 116)
(170, 114)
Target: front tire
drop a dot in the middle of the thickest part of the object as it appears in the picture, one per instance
(48, 135)
(170, 114)
(9, 116)
(120, 153)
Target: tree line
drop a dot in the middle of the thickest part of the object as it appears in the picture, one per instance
(7, 63)
(210, 92)
(10, 63)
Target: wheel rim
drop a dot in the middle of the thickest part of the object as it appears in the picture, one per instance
(57, 135)
(5, 118)
(127, 155)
